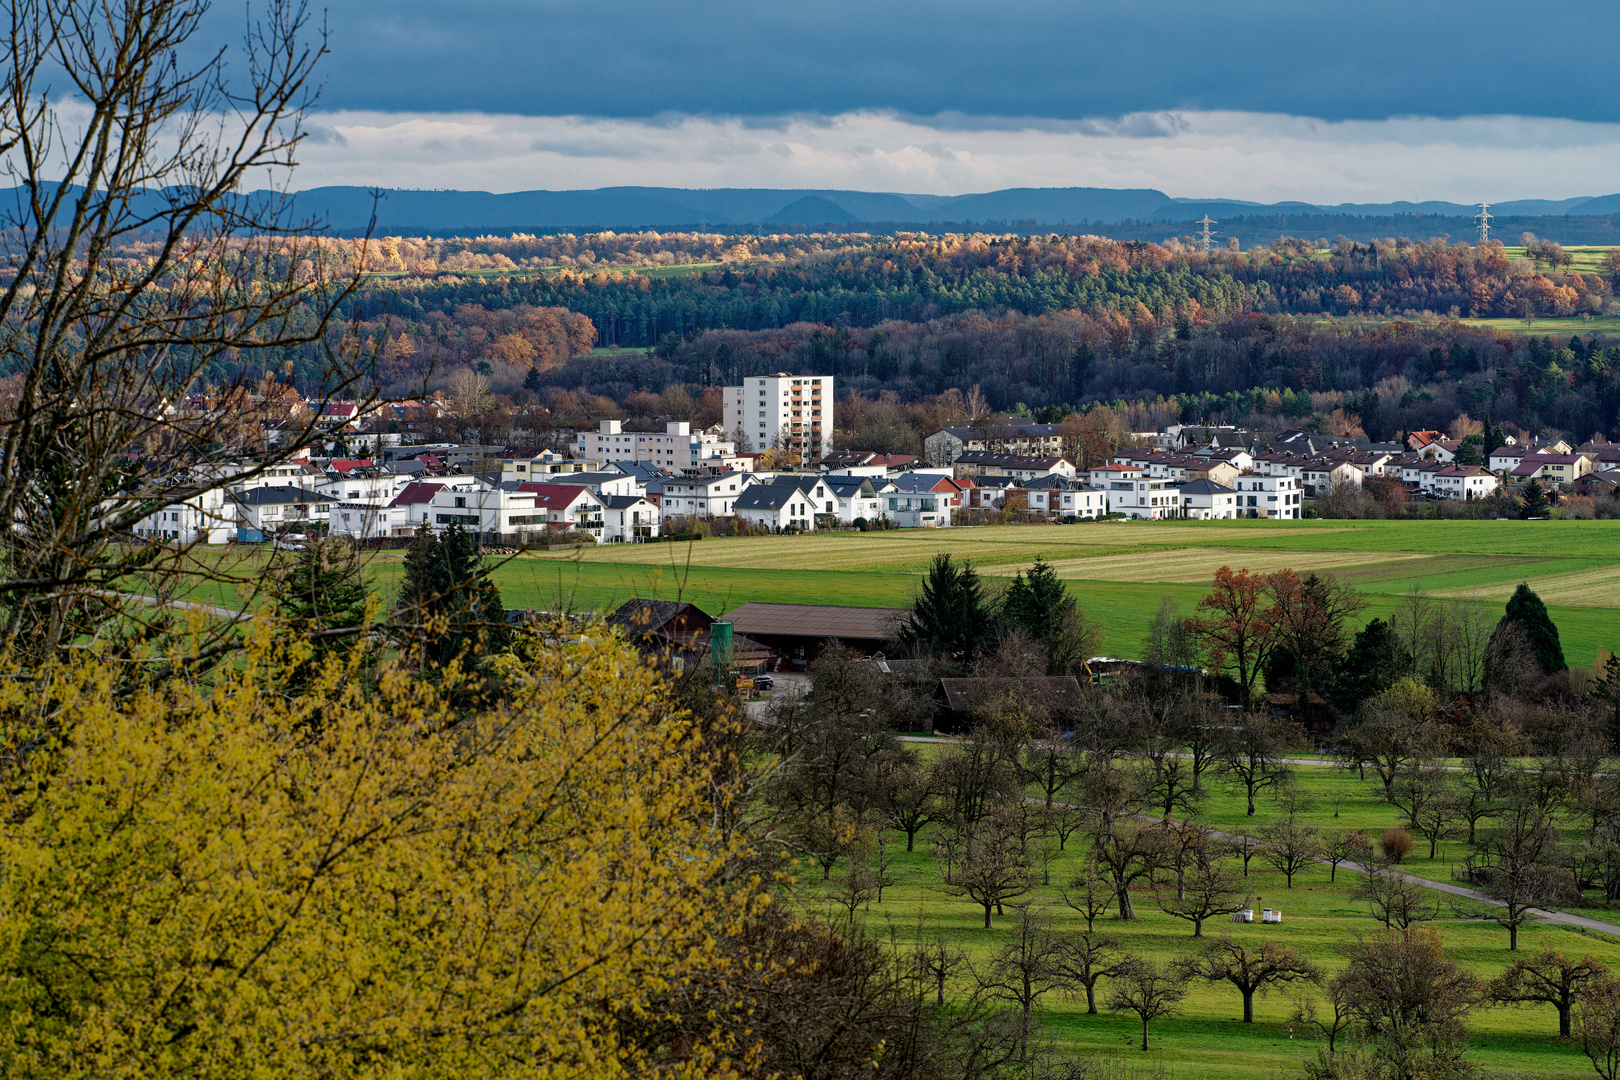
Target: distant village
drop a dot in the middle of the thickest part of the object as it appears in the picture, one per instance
(611, 485)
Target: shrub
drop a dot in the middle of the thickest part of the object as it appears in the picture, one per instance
(860, 523)
(1396, 843)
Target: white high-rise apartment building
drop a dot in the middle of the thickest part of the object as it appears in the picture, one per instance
(792, 411)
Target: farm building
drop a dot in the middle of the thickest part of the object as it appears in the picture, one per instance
(797, 632)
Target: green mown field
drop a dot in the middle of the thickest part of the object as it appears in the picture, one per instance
(1118, 570)
(1207, 1038)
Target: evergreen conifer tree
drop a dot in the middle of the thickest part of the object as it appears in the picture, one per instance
(321, 588)
(1039, 604)
(1534, 501)
(445, 576)
(1525, 608)
(1371, 665)
(950, 616)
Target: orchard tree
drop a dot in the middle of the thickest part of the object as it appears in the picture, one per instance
(1212, 890)
(1521, 860)
(1253, 753)
(985, 862)
(1085, 960)
(1547, 978)
(1150, 990)
(1409, 998)
(1025, 969)
(1254, 972)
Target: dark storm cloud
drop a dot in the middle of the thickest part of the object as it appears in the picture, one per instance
(1023, 58)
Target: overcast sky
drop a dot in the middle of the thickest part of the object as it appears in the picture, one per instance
(1264, 99)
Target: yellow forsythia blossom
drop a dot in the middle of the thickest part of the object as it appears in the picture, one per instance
(212, 878)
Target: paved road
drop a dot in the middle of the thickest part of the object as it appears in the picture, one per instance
(793, 683)
(188, 605)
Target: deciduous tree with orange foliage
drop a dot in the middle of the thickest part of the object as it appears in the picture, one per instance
(1235, 631)
(1288, 627)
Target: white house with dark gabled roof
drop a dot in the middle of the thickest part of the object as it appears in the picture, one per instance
(1465, 482)
(1205, 500)
(628, 519)
(790, 502)
(854, 497)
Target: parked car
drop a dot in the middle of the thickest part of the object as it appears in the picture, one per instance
(763, 682)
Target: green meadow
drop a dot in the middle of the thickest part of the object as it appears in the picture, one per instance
(1207, 1037)
(1119, 570)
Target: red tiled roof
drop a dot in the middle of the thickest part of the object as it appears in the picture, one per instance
(554, 496)
(416, 493)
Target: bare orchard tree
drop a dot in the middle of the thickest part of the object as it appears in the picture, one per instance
(1270, 964)
(113, 140)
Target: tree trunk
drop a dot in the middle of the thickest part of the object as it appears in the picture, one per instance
(1122, 900)
(1144, 1034)
(1563, 1019)
(911, 840)
(1198, 928)
(1513, 935)
(1091, 999)
(987, 916)
(1248, 1006)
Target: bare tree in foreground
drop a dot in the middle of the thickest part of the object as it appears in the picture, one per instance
(111, 348)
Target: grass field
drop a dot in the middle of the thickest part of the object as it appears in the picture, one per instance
(1207, 1038)
(1118, 570)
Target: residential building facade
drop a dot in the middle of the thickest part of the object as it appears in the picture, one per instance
(793, 412)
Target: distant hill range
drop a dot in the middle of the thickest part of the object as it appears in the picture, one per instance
(348, 209)
(1124, 213)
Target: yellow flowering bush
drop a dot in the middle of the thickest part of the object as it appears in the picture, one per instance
(211, 877)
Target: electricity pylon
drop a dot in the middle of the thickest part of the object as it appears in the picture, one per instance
(1206, 239)
(1484, 219)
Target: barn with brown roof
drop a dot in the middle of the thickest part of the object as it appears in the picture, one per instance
(798, 631)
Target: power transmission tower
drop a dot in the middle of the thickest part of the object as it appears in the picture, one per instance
(1205, 240)
(1484, 219)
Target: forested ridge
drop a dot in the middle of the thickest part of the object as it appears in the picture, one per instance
(1294, 330)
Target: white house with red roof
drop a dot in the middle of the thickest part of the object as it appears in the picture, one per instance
(558, 507)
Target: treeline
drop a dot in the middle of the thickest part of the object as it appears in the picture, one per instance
(922, 278)
(1274, 371)
(1055, 321)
